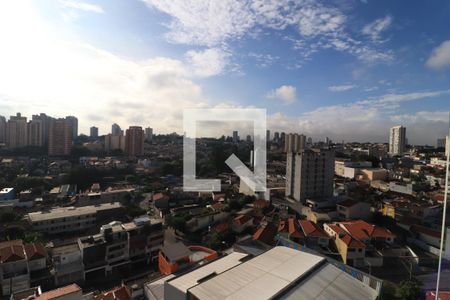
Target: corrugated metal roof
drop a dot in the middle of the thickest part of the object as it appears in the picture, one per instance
(330, 283)
(185, 282)
(260, 278)
(283, 273)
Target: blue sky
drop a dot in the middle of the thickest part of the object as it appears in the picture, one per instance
(347, 69)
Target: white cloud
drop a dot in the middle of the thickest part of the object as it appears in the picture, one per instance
(285, 93)
(377, 27)
(209, 62)
(81, 5)
(341, 88)
(367, 120)
(440, 57)
(69, 77)
(216, 23)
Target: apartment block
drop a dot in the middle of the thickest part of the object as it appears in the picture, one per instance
(72, 219)
(309, 174)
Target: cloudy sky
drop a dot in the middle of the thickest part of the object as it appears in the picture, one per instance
(347, 69)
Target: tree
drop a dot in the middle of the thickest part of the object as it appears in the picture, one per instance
(409, 290)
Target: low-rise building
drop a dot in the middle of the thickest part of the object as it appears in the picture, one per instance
(7, 194)
(120, 246)
(177, 256)
(315, 236)
(67, 264)
(352, 209)
(72, 219)
(20, 264)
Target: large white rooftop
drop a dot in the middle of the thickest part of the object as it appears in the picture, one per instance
(185, 282)
(63, 212)
(286, 273)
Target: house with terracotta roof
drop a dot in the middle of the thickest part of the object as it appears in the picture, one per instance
(242, 222)
(352, 251)
(69, 292)
(291, 229)
(367, 233)
(315, 236)
(19, 263)
(266, 233)
(121, 293)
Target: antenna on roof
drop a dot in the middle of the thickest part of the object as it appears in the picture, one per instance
(444, 211)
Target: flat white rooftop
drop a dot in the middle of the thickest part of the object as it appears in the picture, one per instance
(185, 282)
(63, 212)
(283, 273)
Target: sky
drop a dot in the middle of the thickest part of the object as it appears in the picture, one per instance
(344, 69)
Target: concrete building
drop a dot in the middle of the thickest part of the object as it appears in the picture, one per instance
(67, 264)
(119, 246)
(114, 142)
(267, 135)
(309, 174)
(93, 132)
(294, 142)
(352, 209)
(134, 141)
(149, 134)
(276, 137)
(397, 140)
(35, 132)
(19, 263)
(60, 140)
(235, 137)
(116, 130)
(72, 219)
(73, 121)
(16, 132)
(2, 130)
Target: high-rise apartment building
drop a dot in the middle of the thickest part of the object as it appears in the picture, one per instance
(397, 140)
(2, 130)
(60, 137)
(148, 134)
(268, 135)
(36, 132)
(114, 142)
(16, 131)
(134, 141)
(93, 132)
(45, 121)
(440, 143)
(276, 137)
(309, 174)
(447, 145)
(116, 130)
(294, 142)
(235, 137)
(73, 121)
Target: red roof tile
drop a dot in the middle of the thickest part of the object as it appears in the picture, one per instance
(443, 295)
(352, 242)
(12, 251)
(293, 229)
(54, 294)
(265, 234)
(117, 294)
(35, 251)
(311, 229)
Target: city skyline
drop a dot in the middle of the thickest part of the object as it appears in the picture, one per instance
(364, 67)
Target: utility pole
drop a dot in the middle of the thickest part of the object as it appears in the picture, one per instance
(444, 211)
